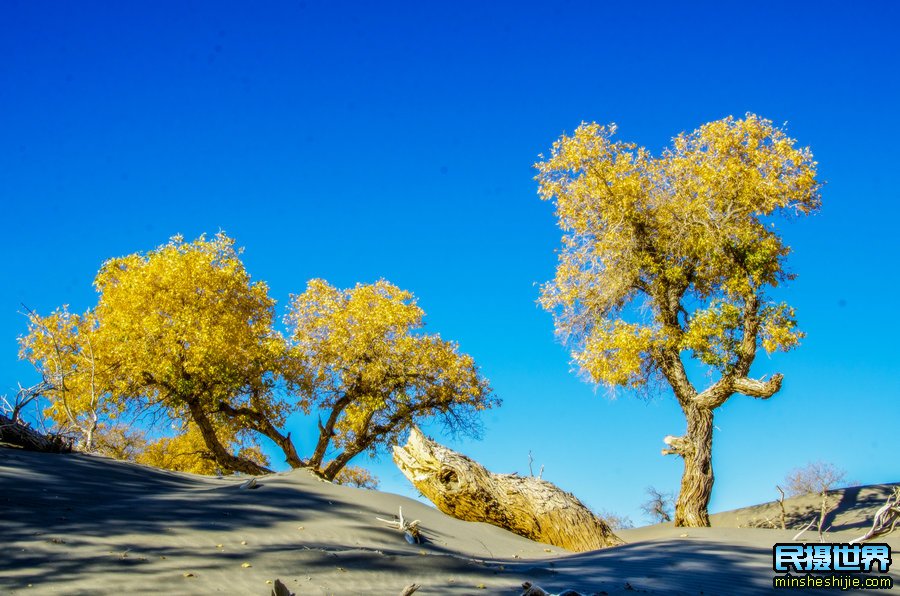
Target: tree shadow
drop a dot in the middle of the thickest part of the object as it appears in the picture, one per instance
(692, 566)
(75, 516)
(78, 494)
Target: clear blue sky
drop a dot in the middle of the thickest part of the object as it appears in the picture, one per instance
(353, 141)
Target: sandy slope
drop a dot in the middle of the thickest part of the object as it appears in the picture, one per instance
(79, 524)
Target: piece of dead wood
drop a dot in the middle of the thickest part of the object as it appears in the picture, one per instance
(410, 589)
(279, 589)
(17, 433)
(410, 529)
(885, 520)
(530, 507)
(805, 528)
(249, 485)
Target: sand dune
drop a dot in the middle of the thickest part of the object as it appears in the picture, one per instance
(80, 524)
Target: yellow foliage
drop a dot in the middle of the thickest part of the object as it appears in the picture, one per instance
(616, 351)
(67, 350)
(183, 333)
(357, 476)
(680, 245)
(186, 321)
(119, 441)
(373, 371)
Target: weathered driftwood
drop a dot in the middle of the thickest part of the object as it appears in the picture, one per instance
(17, 433)
(530, 507)
(410, 529)
(886, 518)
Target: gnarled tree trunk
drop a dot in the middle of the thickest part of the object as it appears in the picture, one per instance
(527, 506)
(225, 459)
(695, 448)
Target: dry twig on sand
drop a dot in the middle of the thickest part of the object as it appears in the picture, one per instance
(410, 530)
(249, 484)
(800, 533)
(781, 505)
(885, 519)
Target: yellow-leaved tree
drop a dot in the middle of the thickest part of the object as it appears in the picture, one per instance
(182, 335)
(187, 331)
(675, 255)
(64, 348)
(372, 374)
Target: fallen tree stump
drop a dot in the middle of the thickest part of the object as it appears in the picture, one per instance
(527, 506)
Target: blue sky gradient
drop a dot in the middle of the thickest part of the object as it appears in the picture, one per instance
(355, 141)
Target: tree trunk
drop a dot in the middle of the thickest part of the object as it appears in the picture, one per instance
(697, 481)
(530, 507)
(258, 422)
(225, 459)
(338, 463)
(326, 431)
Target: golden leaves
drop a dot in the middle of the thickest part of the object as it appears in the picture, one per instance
(364, 343)
(187, 316)
(713, 334)
(184, 332)
(779, 328)
(653, 238)
(615, 352)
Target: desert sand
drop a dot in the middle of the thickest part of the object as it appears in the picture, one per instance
(83, 524)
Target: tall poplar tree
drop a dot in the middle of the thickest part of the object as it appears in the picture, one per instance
(675, 256)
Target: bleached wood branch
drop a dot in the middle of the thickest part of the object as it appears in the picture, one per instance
(885, 520)
(677, 446)
(411, 530)
(800, 533)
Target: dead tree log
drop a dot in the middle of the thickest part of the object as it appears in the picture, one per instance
(530, 507)
(16, 432)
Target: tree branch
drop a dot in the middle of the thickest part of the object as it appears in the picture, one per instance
(719, 392)
(747, 350)
(261, 424)
(223, 457)
(758, 388)
(327, 431)
(677, 446)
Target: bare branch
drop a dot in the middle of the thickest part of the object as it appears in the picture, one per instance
(677, 446)
(885, 520)
(410, 530)
(759, 389)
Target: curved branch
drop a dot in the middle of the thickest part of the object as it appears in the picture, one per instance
(223, 457)
(327, 431)
(261, 424)
(758, 388)
(719, 392)
(747, 350)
